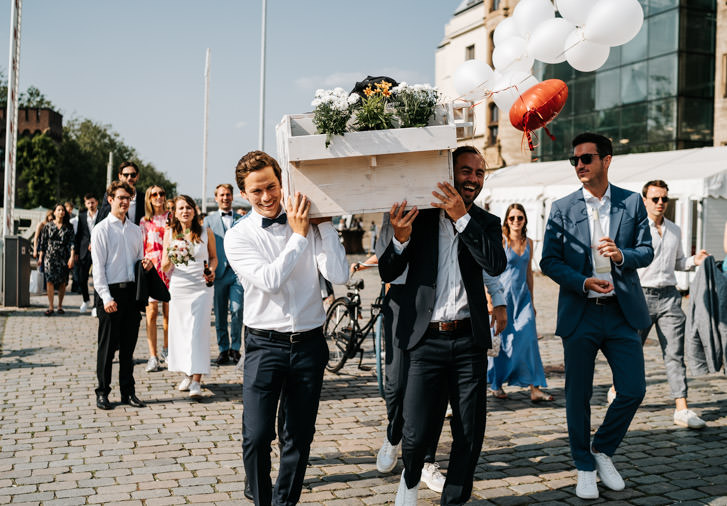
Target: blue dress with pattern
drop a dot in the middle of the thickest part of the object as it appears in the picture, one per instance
(518, 362)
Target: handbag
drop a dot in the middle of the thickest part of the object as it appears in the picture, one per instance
(36, 282)
(496, 344)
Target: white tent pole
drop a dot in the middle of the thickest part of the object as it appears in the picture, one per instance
(205, 129)
(261, 133)
(11, 129)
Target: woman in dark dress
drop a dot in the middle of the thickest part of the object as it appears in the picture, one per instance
(56, 254)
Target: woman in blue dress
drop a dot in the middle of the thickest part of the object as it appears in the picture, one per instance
(518, 362)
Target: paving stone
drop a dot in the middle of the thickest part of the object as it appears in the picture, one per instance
(58, 449)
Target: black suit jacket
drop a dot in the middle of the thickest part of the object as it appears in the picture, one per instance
(105, 207)
(83, 235)
(149, 284)
(409, 306)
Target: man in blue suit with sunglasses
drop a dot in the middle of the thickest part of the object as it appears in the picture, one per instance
(595, 239)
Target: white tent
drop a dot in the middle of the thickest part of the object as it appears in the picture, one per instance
(697, 180)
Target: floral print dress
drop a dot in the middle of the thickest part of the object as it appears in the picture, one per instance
(154, 241)
(56, 245)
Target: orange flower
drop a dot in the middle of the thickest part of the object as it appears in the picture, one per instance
(368, 92)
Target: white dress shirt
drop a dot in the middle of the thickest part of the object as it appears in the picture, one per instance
(603, 205)
(91, 220)
(74, 224)
(226, 220)
(278, 270)
(495, 289)
(450, 302)
(668, 256)
(115, 249)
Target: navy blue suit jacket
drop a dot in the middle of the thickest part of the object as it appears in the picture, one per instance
(567, 256)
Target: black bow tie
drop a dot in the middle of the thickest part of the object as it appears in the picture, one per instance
(227, 214)
(282, 219)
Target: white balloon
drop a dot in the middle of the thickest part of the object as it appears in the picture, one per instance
(548, 40)
(583, 54)
(505, 29)
(509, 87)
(614, 22)
(473, 79)
(575, 11)
(511, 55)
(528, 14)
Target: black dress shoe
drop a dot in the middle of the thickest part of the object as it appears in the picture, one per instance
(235, 356)
(222, 358)
(102, 402)
(132, 400)
(248, 492)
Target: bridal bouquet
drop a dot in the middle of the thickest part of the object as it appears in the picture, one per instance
(179, 251)
(333, 109)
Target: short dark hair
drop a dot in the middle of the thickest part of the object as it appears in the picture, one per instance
(464, 150)
(115, 185)
(89, 196)
(255, 160)
(603, 144)
(655, 182)
(128, 163)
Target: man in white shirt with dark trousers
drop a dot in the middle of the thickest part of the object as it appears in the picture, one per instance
(116, 245)
(277, 254)
(658, 281)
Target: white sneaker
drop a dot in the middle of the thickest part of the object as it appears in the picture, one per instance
(195, 390)
(607, 472)
(84, 308)
(93, 312)
(152, 365)
(688, 418)
(163, 355)
(387, 457)
(610, 396)
(586, 488)
(432, 478)
(184, 384)
(406, 496)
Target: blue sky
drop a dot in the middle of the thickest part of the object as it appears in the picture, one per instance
(139, 66)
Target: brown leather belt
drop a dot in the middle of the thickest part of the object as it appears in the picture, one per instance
(451, 326)
(602, 301)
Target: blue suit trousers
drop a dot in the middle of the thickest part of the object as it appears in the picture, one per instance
(228, 297)
(601, 328)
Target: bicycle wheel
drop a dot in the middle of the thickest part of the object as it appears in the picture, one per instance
(337, 332)
(380, 351)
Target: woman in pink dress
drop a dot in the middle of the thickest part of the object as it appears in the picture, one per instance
(153, 224)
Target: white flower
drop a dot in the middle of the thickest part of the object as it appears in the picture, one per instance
(320, 92)
(353, 98)
(316, 102)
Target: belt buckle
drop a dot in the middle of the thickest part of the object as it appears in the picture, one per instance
(447, 326)
(601, 301)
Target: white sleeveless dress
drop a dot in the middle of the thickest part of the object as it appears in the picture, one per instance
(190, 315)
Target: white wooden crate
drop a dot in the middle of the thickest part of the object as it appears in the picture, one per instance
(365, 172)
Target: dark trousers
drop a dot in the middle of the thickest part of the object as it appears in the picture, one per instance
(291, 374)
(117, 331)
(445, 366)
(397, 370)
(84, 266)
(602, 328)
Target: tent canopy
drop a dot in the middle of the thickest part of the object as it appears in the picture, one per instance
(691, 174)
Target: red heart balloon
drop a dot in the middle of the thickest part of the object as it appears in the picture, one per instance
(538, 106)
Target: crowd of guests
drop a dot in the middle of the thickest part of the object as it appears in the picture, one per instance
(440, 265)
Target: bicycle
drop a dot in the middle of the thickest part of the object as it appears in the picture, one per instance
(345, 336)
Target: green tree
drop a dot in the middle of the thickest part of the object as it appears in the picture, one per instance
(38, 161)
(33, 98)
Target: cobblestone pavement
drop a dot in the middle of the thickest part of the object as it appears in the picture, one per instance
(57, 448)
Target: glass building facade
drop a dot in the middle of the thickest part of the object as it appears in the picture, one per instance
(655, 93)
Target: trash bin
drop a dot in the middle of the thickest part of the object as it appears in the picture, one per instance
(16, 272)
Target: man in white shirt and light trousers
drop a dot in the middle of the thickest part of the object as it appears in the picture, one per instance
(116, 245)
(664, 300)
(277, 254)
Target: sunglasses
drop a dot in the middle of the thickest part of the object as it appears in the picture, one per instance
(158, 194)
(656, 200)
(129, 174)
(586, 159)
(515, 218)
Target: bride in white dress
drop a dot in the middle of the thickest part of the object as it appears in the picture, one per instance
(191, 300)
